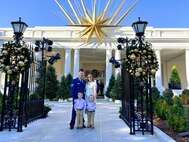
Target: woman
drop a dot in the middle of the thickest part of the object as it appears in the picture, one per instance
(90, 87)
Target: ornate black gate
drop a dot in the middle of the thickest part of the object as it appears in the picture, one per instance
(136, 103)
(20, 105)
(139, 65)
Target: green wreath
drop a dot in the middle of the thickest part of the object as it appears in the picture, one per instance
(95, 73)
(14, 59)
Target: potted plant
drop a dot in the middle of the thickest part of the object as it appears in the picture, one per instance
(174, 80)
(46, 111)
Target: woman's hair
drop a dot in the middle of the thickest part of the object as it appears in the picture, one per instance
(89, 75)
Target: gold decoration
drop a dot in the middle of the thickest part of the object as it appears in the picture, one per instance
(94, 25)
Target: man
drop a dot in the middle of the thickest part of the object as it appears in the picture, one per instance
(78, 86)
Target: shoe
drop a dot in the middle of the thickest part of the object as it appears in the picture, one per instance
(84, 126)
(71, 127)
(77, 127)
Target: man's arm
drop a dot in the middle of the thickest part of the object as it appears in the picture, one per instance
(73, 88)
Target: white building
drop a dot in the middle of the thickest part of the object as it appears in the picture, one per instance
(171, 45)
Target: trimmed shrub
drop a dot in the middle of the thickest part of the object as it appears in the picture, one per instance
(115, 93)
(185, 97)
(176, 119)
(168, 95)
(110, 86)
(161, 108)
(174, 80)
(174, 77)
(51, 83)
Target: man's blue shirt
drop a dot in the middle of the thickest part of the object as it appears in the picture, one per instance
(78, 86)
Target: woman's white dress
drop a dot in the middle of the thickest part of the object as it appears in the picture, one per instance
(90, 89)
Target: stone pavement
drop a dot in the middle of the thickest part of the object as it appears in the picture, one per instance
(55, 128)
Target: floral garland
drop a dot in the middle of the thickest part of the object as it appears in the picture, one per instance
(14, 59)
(95, 73)
(141, 59)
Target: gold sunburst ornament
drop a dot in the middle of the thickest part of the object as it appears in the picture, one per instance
(94, 24)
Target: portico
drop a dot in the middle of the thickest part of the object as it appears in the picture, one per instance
(171, 45)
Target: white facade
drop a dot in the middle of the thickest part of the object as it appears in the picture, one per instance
(172, 48)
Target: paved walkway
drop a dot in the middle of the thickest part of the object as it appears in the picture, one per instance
(55, 128)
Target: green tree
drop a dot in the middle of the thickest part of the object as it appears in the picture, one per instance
(174, 77)
(116, 91)
(51, 82)
(69, 79)
(168, 95)
(175, 116)
(39, 81)
(64, 88)
(110, 86)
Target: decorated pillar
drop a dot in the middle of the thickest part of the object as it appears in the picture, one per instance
(67, 61)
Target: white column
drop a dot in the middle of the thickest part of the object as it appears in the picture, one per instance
(117, 57)
(76, 63)
(187, 67)
(38, 56)
(108, 68)
(67, 61)
(159, 73)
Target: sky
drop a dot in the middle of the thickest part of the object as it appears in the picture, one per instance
(158, 13)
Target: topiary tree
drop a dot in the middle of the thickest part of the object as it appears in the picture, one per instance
(64, 91)
(168, 95)
(51, 83)
(39, 81)
(175, 116)
(62, 88)
(116, 91)
(161, 108)
(69, 79)
(174, 80)
(110, 86)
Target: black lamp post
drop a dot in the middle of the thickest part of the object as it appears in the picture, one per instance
(15, 61)
(19, 27)
(139, 27)
(43, 46)
(140, 64)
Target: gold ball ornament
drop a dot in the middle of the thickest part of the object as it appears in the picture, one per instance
(21, 63)
(136, 50)
(137, 74)
(7, 67)
(139, 69)
(5, 52)
(133, 57)
(153, 71)
(144, 51)
(22, 57)
(16, 68)
(9, 71)
(144, 73)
